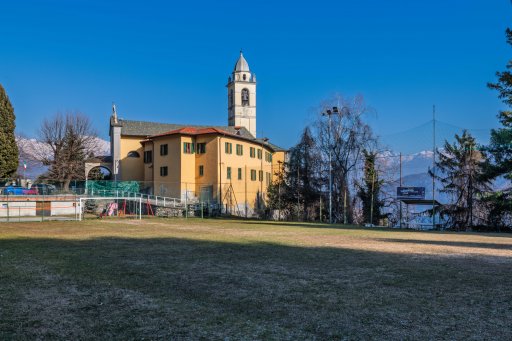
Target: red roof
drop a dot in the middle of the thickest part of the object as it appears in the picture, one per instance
(195, 131)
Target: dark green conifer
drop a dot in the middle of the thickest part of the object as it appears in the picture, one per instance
(8, 147)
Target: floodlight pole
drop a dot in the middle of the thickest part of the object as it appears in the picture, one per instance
(328, 113)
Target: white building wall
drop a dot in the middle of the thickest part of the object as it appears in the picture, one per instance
(17, 209)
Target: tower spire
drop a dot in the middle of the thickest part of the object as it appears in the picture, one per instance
(114, 112)
(242, 96)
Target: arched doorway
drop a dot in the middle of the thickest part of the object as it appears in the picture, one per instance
(99, 173)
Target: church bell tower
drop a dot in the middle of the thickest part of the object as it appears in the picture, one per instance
(242, 96)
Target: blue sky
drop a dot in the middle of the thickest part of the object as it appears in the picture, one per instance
(169, 61)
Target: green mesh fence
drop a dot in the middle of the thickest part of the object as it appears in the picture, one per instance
(108, 188)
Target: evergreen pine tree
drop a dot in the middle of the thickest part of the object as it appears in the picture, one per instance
(369, 190)
(8, 147)
(500, 147)
(296, 192)
(461, 172)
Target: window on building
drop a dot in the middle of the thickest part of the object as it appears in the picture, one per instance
(201, 148)
(201, 170)
(164, 149)
(239, 173)
(268, 157)
(245, 97)
(260, 175)
(239, 149)
(148, 156)
(252, 152)
(228, 148)
(228, 175)
(134, 154)
(269, 180)
(253, 174)
(188, 148)
(259, 154)
(163, 171)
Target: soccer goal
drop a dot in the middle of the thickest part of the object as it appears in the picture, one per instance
(121, 207)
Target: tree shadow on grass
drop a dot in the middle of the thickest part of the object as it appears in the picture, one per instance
(494, 246)
(357, 227)
(127, 288)
(298, 224)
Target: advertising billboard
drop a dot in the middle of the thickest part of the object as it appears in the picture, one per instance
(410, 192)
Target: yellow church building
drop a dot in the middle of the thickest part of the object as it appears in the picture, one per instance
(217, 164)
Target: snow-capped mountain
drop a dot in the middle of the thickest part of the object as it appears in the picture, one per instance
(411, 163)
(31, 151)
(415, 169)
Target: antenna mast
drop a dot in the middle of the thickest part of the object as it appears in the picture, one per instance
(434, 167)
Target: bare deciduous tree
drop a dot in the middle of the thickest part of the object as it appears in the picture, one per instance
(345, 135)
(71, 140)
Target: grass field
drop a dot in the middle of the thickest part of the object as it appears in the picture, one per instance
(217, 279)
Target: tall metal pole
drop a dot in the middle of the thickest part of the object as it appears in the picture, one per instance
(373, 189)
(261, 175)
(279, 189)
(470, 197)
(400, 214)
(245, 182)
(434, 167)
(345, 207)
(320, 208)
(298, 194)
(329, 113)
(330, 171)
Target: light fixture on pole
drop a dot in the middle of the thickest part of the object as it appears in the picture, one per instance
(328, 113)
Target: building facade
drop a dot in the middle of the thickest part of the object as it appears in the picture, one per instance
(219, 164)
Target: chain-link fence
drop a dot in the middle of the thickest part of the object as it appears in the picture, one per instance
(24, 200)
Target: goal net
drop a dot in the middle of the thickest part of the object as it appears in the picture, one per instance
(120, 207)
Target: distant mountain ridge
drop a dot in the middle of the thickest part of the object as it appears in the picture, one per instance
(415, 169)
(31, 150)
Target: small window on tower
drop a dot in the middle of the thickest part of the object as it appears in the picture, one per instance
(244, 77)
(245, 97)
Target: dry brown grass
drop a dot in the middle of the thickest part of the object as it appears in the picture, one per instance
(213, 279)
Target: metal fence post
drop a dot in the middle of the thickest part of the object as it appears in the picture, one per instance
(140, 208)
(80, 211)
(8, 208)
